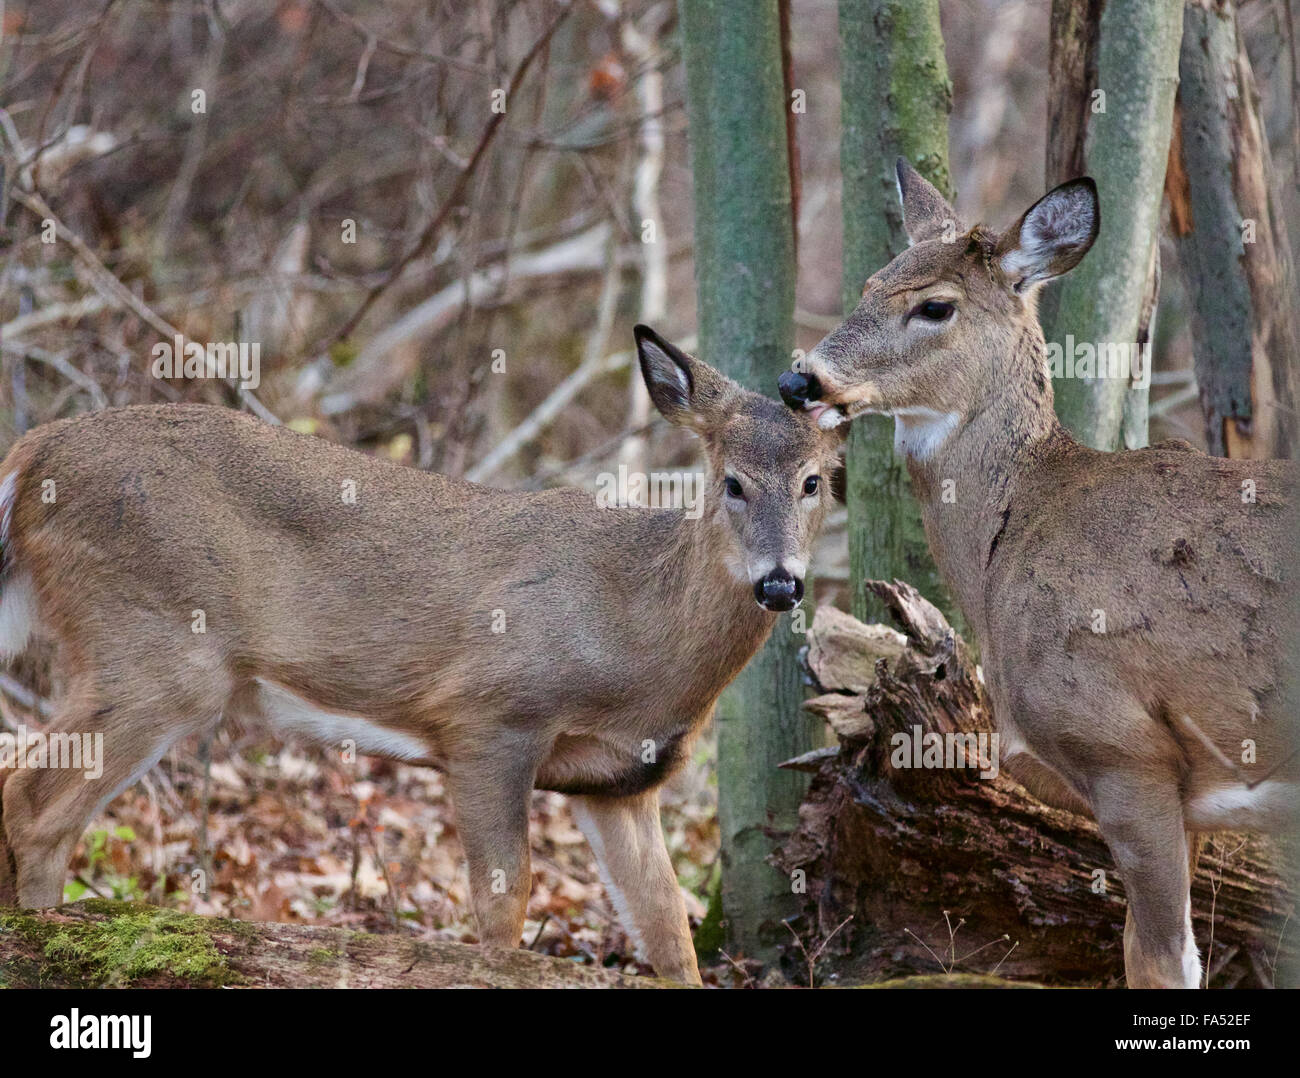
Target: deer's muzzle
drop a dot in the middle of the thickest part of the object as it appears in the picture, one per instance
(779, 590)
(797, 389)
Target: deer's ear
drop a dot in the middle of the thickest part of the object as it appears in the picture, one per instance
(1052, 237)
(687, 391)
(926, 213)
(840, 480)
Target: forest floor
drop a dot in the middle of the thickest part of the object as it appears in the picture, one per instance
(294, 836)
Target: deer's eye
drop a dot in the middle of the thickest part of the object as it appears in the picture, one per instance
(932, 310)
(811, 485)
(734, 488)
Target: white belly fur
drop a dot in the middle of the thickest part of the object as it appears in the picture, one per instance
(289, 715)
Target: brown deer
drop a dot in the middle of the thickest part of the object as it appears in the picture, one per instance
(517, 641)
(1130, 607)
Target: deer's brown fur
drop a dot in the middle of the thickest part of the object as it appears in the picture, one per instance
(516, 640)
(1039, 538)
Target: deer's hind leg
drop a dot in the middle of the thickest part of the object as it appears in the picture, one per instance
(8, 865)
(121, 736)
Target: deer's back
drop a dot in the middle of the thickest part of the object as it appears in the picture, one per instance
(318, 565)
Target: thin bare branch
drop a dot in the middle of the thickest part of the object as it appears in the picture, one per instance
(116, 294)
(459, 189)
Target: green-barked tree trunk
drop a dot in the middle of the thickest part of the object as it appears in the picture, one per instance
(745, 274)
(1114, 73)
(895, 98)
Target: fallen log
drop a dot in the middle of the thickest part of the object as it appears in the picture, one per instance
(916, 861)
(102, 944)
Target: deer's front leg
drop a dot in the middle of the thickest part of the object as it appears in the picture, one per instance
(490, 796)
(1141, 819)
(628, 841)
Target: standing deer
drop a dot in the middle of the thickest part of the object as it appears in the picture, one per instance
(1130, 607)
(517, 641)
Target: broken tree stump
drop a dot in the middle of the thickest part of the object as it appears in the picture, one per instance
(935, 868)
(102, 944)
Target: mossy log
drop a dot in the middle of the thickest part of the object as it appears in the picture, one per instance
(940, 869)
(100, 944)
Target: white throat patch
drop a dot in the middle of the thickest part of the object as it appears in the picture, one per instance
(919, 432)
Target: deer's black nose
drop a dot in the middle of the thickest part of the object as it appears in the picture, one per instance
(797, 389)
(778, 590)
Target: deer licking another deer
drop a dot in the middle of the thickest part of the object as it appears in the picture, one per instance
(515, 640)
(1131, 608)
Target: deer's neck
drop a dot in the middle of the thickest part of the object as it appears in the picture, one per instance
(965, 476)
(712, 625)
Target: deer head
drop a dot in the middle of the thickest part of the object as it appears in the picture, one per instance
(952, 320)
(770, 470)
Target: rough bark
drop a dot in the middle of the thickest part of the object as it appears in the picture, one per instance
(744, 248)
(1232, 244)
(907, 852)
(895, 101)
(1072, 76)
(1128, 51)
(98, 944)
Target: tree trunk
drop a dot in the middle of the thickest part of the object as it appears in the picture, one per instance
(941, 870)
(100, 944)
(1232, 243)
(744, 250)
(641, 43)
(1114, 70)
(895, 100)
